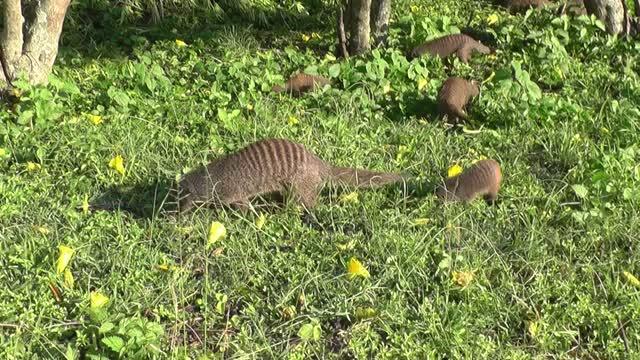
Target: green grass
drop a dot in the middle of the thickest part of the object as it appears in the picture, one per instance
(547, 260)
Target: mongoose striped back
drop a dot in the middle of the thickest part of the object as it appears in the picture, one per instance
(266, 166)
(454, 95)
(481, 179)
(460, 44)
(301, 83)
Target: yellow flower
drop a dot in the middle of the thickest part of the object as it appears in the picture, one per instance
(68, 278)
(249, 107)
(3, 152)
(454, 170)
(260, 221)
(631, 278)
(422, 83)
(180, 43)
(492, 19)
(414, 8)
(305, 37)
(31, 166)
(98, 300)
(463, 278)
(293, 120)
(349, 198)
(355, 268)
(117, 164)
(63, 258)
(386, 88)
(216, 232)
(167, 267)
(95, 119)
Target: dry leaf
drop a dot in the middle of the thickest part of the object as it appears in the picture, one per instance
(217, 231)
(68, 278)
(98, 300)
(631, 279)
(64, 257)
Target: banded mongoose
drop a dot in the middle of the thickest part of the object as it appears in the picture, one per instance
(454, 95)
(301, 83)
(460, 44)
(481, 179)
(516, 6)
(268, 166)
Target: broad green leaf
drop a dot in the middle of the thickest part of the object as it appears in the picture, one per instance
(115, 343)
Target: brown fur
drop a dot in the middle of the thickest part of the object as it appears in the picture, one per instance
(454, 95)
(268, 166)
(481, 179)
(516, 6)
(460, 44)
(301, 83)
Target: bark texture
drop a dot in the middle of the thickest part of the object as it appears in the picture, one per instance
(380, 14)
(35, 52)
(359, 28)
(610, 12)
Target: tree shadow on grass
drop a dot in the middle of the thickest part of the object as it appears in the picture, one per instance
(100, 30)
(145, 200)
(412, 105)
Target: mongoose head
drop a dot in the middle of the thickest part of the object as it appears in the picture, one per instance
(446, 190)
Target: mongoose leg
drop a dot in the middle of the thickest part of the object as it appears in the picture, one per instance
(185, 204)
(464, 52)
(491, 197)
(306, 189)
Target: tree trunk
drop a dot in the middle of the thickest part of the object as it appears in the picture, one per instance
(380, 15)
(610, 12)
(342, 37)
(359, 28)
(34, 53)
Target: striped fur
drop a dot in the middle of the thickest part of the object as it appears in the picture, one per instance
(454, 95)
(460, 44)
(481, 179)
(301, 83)
(266, 166)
